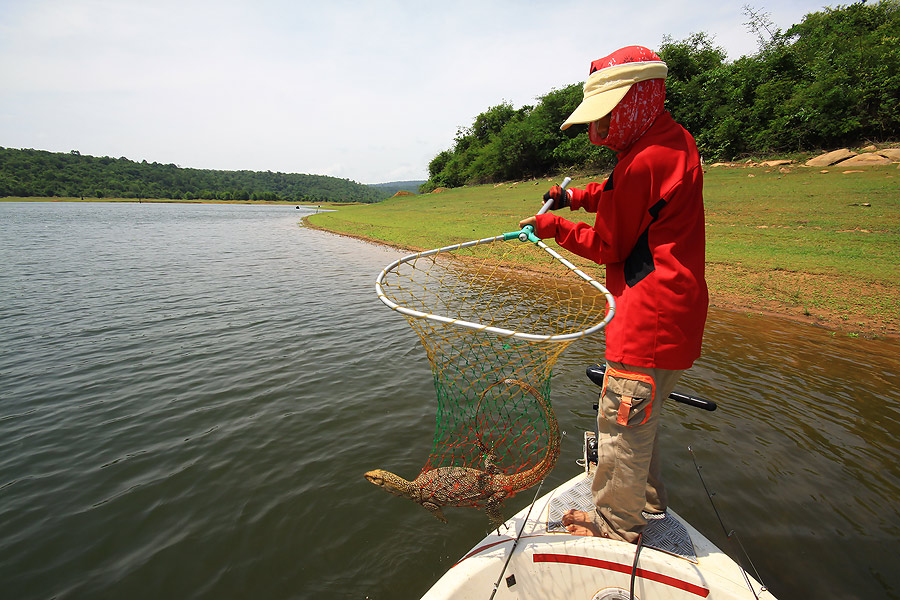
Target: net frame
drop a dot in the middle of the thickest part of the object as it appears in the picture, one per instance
(499, 331)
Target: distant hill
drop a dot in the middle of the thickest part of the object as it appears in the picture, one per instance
(398, 186)
(47, 174)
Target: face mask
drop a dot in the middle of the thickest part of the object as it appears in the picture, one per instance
(633, 115)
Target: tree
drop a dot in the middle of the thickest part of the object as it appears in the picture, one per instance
(492, 121)
(760, 23)
(39, 173)
(851, 58)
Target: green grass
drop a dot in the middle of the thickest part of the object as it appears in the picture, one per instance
(805, 220)
(823, 246)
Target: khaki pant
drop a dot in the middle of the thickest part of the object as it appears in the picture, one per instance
(628, 479)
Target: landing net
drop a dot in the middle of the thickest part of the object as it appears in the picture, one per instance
(494, 316)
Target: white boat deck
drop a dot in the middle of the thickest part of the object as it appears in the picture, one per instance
(666, 534)
(532, 556)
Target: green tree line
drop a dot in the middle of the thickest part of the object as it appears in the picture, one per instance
(47, 174)
(831, 80)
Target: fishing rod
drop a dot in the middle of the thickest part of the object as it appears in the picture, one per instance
(516, 541)
(730, 534)
(595, 373)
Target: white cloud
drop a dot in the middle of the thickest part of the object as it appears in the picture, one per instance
(367, 91)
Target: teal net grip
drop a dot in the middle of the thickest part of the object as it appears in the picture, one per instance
(526, 234)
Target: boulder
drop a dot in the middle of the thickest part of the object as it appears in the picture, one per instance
(776, 163)
(867, 159)
(830, 158)
(891, 153)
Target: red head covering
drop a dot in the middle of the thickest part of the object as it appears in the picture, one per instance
(635, 113)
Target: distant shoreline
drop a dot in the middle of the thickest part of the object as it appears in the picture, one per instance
(173, 201)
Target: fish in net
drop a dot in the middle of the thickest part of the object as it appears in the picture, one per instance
(493, 316)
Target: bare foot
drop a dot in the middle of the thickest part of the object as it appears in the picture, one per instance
(578, 522)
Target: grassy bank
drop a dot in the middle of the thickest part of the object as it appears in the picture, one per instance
(818, 245)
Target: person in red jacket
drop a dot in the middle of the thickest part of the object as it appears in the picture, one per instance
(649, 232)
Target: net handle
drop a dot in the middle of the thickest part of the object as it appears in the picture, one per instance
(527, 233)
(549, 203)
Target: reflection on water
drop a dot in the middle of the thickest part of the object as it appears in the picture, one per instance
(192, 393)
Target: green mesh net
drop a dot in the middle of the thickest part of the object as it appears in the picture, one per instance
(493, 316)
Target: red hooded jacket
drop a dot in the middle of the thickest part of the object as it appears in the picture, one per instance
(649, 233)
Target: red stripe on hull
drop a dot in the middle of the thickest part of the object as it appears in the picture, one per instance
(621, 568)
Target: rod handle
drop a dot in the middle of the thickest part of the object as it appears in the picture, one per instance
(595, 373)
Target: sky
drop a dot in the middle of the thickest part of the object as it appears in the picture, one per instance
(366, 91)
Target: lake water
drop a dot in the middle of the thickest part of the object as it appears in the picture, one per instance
(189, 395)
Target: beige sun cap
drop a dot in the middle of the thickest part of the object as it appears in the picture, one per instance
(606, 88)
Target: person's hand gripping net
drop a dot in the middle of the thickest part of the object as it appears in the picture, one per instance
(560, 197)
(556, 198)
